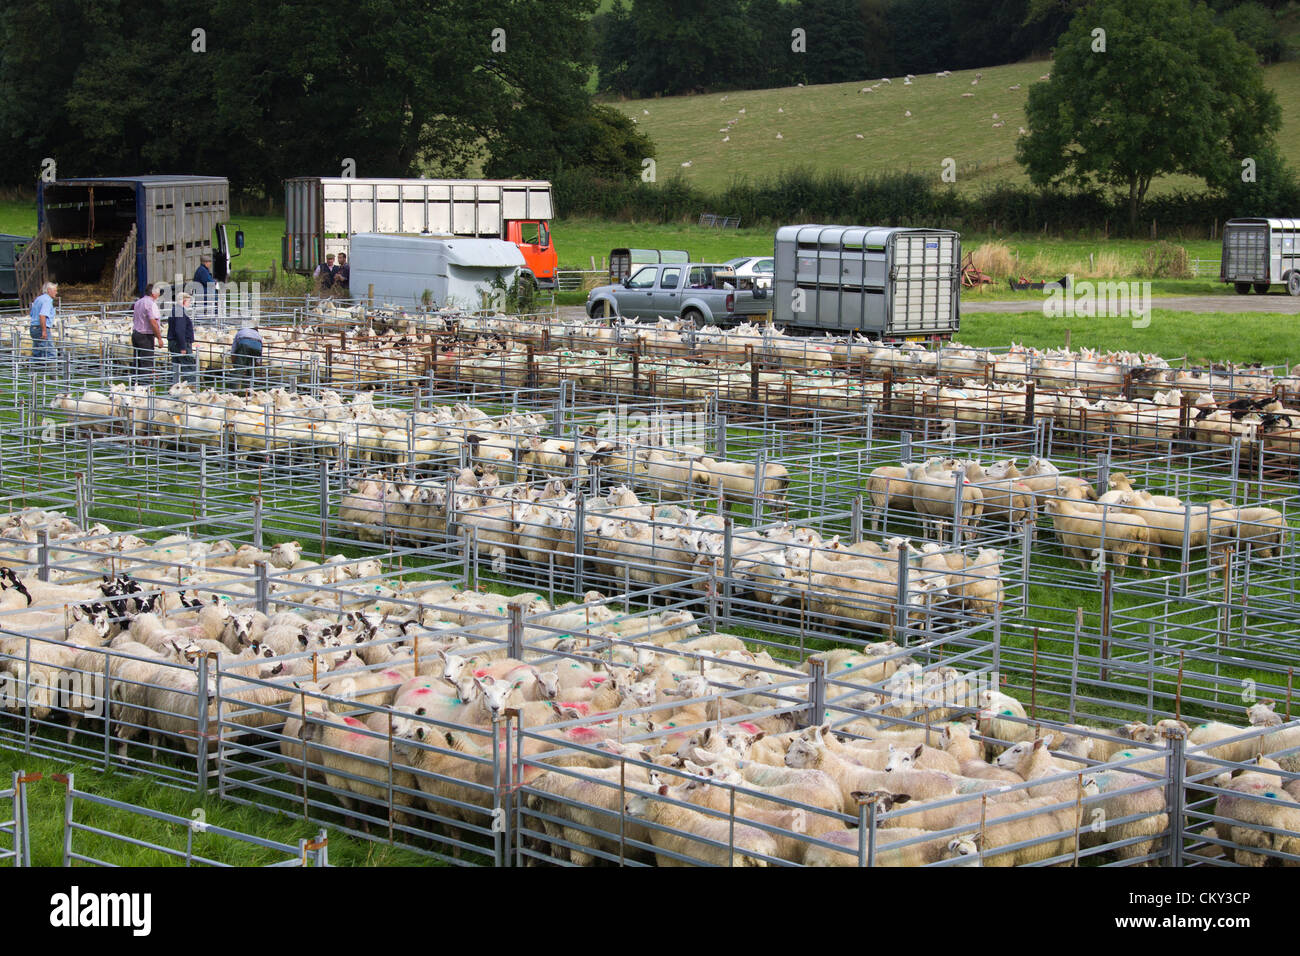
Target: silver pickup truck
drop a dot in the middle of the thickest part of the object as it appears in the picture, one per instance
(696, 291)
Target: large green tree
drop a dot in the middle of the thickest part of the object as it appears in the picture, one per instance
(278, 88)
(1142, 89)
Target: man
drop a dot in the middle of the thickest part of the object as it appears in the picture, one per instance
(145, 329)
(203, 278)
(343, 273)
(325, 273)
(246, 349)
(180, 341)
(42, 321)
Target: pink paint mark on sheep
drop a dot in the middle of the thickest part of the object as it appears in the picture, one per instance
(352, 722)
(748, 727)
(581, 733)
(593, 681)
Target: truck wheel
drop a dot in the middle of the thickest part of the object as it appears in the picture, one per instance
(1241, 287)
(693, 316)
(597, 311)
(1293, 283)
(1261, 287)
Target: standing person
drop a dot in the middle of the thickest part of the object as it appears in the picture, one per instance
(203, 278)
(145, 330)
(42, 321)
(325, 273)
(343, 273)
(180, 341)
(246, 349)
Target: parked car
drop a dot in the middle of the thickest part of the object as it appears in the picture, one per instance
(693, 290)
(759, 269)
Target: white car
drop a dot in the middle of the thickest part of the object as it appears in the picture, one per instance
(760, 269)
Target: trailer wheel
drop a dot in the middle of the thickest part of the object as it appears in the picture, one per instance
(1261, 287)
(1293, 283)
(1241, 287)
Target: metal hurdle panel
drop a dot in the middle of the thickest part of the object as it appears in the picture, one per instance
(203, 841)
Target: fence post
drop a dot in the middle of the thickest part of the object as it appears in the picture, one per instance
(1185, 560)
(201, 727)
(67, 817)
(855, 520)
(579, 540)
(43, 554)
(959, 482)
(759, 468)
(900, 603)
(721, 441)
(1177, 745)
(1103, 472)
(261, 585)
(815, 712)
(324, 504)
(257, 521)
(82, 521)
(727, 570)
(203, 481)
(515, 631)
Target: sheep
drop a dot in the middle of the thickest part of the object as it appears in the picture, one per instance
(679, 831)
(788, 826)
(1146, 803)
(1256, 801)
(1085, 531)
(592, 802)
(900, 846)
(935, 496)
(850, 776)
(358, 763)
(888, 487)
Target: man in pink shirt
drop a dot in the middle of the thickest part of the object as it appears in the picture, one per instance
(145, 330)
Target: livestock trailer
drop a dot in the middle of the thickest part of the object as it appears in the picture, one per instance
(112, 237)
(321, 215)
(621, 261)
(10, 247)
(1260, 252)
(412, 271)
(884, 282)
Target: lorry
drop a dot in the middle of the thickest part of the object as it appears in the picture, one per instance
(416, 271)
(110, 238)
(1257, 253)
(889, 283)
(321, 215)
(695, 291)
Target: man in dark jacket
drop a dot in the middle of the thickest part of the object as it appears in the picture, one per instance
(203, 278)
(180, 340)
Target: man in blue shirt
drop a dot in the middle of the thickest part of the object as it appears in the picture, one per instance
(203, 277)
(245, 351)
(42, 321)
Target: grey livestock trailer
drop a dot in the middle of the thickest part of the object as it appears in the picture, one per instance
(884, 282)
(1258, 253)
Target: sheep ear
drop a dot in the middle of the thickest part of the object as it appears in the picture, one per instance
(663, 790)
(916, 754)
(1039, 742)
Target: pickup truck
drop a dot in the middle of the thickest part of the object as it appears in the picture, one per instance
(697, 292)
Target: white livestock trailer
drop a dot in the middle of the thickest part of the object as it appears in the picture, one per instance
(1258, 253)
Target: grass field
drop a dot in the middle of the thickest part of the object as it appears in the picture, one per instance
(1200, 337)
(819, 126)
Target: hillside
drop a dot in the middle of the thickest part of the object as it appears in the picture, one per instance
(819, 126)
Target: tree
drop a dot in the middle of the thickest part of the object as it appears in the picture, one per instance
(1160, 90)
